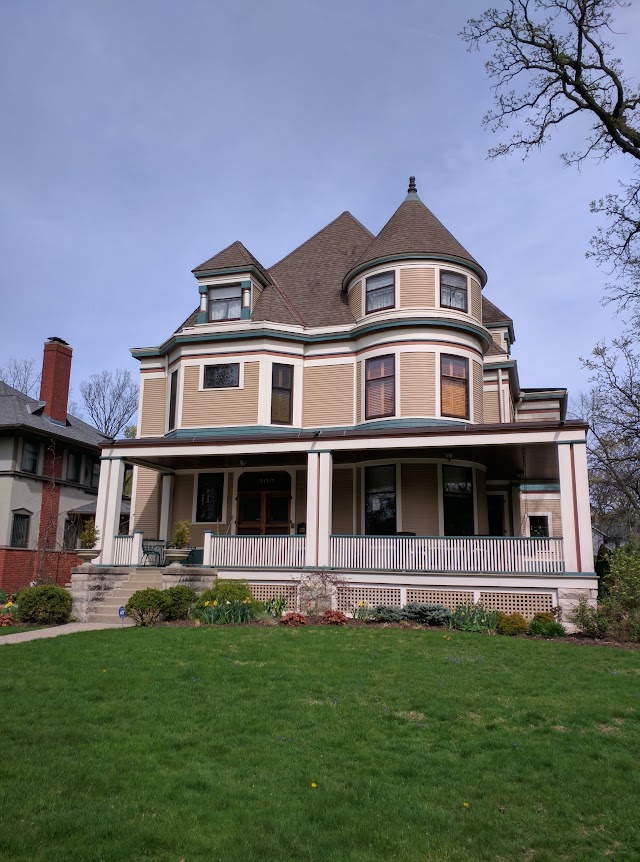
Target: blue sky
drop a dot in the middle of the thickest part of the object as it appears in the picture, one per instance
(141, 137)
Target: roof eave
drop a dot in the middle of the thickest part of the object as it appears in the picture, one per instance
(253, 270)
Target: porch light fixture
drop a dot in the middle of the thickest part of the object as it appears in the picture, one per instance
(243, 462)
(448, 455)
(519, 475)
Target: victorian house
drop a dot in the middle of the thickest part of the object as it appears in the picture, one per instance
(356, 407)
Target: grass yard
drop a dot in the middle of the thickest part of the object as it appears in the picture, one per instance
(353, 745)
(14, 630)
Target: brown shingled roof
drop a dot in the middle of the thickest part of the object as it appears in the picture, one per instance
(413, 229)
(491, 314)
(495, 350)
(311, 276)
(234, 256)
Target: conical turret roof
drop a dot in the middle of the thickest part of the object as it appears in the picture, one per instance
(414, 231)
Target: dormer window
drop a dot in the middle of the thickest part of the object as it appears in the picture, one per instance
(381, 292)
(453, 290)
(225, 302)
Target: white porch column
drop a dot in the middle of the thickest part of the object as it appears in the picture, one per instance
(165, 506)
(136, 548)
(583, 508)
(568, 508)
(325, 487)
(108, 506)
(311, 543)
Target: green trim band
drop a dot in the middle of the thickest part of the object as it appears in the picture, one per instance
(233, 270)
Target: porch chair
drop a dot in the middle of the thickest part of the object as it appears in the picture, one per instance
(153, 552)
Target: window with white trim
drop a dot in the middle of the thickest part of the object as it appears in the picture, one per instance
(453, 290)
(539, 525)
(381, 292)
(225, 302)
(20, 530)
(221, 376)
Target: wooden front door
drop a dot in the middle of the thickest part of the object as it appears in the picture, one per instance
(264, 504)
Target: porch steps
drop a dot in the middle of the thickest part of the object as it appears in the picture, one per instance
(139, 580)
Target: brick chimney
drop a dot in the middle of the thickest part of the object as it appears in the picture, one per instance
(56, 372)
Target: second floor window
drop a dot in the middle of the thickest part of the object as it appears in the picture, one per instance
(222, 376)
(381, 292)
(73, 467)
(453, 290)
(282, 394)
(20, 530)
(454, 387)
(173, 399)
(380, 387)
(30, 454)
(225, 303)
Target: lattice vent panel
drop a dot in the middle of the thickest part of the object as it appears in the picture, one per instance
(264, 592)
(449, 598)
(526, 604)
(349, 597)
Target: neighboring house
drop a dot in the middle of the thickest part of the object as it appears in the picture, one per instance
(355, 407)
(49, 469)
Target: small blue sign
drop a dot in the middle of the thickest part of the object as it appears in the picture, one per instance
(122, 612)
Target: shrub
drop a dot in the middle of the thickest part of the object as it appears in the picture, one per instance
(386, 614)
(546, 628)
(90, 536)
(473, 618)
(47, 604)
(3, 597)
(428, 615)
(275, 606)
(227, 612)
(511, 624)
(6, 619)
(181, 535)
(293, 619)
(224, 591)
(333, 618)
(178, 601)
(146, 606)
(544, 617)
(590, 621)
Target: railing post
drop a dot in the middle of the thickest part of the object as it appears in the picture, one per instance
(136, 548)
(207, 553)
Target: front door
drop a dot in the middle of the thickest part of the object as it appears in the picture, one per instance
(264, 504)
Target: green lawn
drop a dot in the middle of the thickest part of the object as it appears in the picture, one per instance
(14, 630)
(205, 744)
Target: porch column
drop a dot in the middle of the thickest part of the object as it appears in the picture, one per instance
(325, 482)
(165, 506)
(570, 540)
(311, 543)
(583, 507)
(108, 506)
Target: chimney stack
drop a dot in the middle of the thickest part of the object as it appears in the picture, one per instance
(56, 373)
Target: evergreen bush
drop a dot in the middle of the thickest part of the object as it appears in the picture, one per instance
(47, 604)
(178, 601)
(428, 615)
(146, 607)
(511, 624)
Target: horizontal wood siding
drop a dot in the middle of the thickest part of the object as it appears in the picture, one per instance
(147, 510)
(417, 287)
(475, 297)
(481, 502)
(419, 490)
(533, 410)
(358, 392)
(183, 491)
(542, 504)
(342, 502)
(478, 393)
(214, 407)
(154, 401)
(355, 300)
(417, 384)
(328, 395)
(301, 497)
(491, 405)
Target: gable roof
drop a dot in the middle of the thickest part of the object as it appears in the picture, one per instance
(18, 410)
(234, 256)
(492, 315)
(414, 230)
(311, 275)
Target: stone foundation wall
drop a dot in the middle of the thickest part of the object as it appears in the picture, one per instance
(90, 586)
(197, 579)
(567, 601)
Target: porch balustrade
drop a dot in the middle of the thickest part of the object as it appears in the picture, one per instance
(269, 552)
(448, 554)
(127, 550)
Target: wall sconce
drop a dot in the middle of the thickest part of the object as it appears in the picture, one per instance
(519, 475)
(243, 462)
(448, 455)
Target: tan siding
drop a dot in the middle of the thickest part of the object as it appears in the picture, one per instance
(497, 336)
(481, 502)
(477, 392)
(475, 296)
(491, 406)
(301, 497)
(182, 500)
(542, 504)
(147, 511)
(342, 520)
(534, 410)
(355, 300)
(328, 395)
(358, 498)
(213, 407)
(417, 287)
(417, 384)
(358, 392)
(154, 399)
(419, 495)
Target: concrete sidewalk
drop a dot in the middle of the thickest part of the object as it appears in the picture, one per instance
(55, 631)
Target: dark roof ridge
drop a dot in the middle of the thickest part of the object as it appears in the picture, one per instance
(287, 299)
(317, 233)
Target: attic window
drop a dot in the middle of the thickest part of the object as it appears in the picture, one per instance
(381, 292)
(225, 302)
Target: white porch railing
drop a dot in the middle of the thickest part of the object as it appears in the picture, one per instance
(127, 550)
(448, 554)
(268, 552)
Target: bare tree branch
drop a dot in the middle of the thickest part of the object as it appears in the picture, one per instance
(110, 399)
(22, 374)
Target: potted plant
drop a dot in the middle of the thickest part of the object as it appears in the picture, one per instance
(88, 540)
(179, 549)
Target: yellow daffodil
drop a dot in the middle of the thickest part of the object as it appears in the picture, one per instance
(313, 784)
(206, 604)
(465, 804)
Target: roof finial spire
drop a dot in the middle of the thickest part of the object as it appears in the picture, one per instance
(412, 186)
